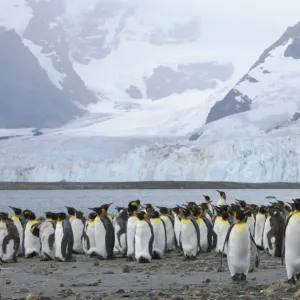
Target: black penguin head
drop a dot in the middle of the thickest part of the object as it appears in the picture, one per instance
(142, 215)
(240, 215)
(61, 216)
(195, 211)
(242, 203)
(79, 214)
(31, 216)
(297, 203)
(51, 215)
(119, 208)
(163, 210)
(292, 205)
(148, 207)
(133, 206)
(207, 199)
(222, 194)
(71, 210)
(263, 209)
(26, 213)
(191, 204)
(186, 212)
(225, 215)
(17, 211)
(155, 215)
(3, 216)
(35, 229)
(92, 215)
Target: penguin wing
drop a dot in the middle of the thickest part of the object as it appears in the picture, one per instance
(212, 236)
(123, 224)
(165, 230)
(225, 242)
(254, 248)
(171, 219)
(283, 237)
(197, 231)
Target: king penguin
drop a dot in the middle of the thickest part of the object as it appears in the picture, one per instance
(88, 236)
(168, 220)
(71, 212)
(133, 209)
(178, 215)
(64, 239)
(291, 246)
(222, 200)
(19, 220)
(259, 226)
(31, 242)
(104, 233)
(143, 239)
(9, 239)
(240, 245)
(160, 237)
(77, 225)
(223, 229)
(46, 232)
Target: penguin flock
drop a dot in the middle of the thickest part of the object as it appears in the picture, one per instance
(141, 233)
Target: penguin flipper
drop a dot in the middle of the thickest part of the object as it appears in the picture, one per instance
(257, 257)
(225, 242)
(283, 237)
(197, 232)
(165, 230)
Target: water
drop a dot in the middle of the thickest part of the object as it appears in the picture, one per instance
(40, 201)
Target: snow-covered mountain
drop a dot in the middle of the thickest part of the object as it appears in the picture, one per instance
(154, 81)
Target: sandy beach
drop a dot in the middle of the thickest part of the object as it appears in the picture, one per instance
(169, 278)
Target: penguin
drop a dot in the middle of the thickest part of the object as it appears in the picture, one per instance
(209, 205)
(64, 239)
(160, 237)
(222, 200)
(9, 239)
(45, 231)
(133, 209)
(168, 220)
(203, 230)
(189, 236)
(240, 245)
(19, 221)
(217, 222)
(267, 228)
(283, 208)
(149, 209)
(143, 239)
(251, 222)
(291, 245)
(259, 226)
(178, 215)
(222, 232)
(88, 235)
(275, 234)
(120, 231)
(31, 242)
(104, 233)
(71, 212)
(206, 212)
(77, 225)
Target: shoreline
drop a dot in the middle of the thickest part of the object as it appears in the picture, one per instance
(141, 185)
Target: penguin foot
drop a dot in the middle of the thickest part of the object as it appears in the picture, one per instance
(130, 258)
(156, 255)
(186, 258)
(70, 259)
(20, 255)
(143, 260)
(14, 259)
(31, 255)
(251, 270)
(112, 256)
(57, 259)
(292, 280)
(45, 259)
(193, 257)
(235, 277)
(243, 277)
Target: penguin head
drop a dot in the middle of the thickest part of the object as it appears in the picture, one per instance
(155, 215)
(79, 214)
(148, 207)
(240, 215)
(35, 229)
(191, 204)
(242, 203)
(61, 216)
(163, 210)
(134, 206)
(17, 211)
(31, 216)
(222, 194)
(71, 210)
(225, 215)
(207, 199)
(263, 209)
(119, 208)
(104, 208)
(142, 215)
(177, 210)
(26, 213)
(3, 216)
(92, 215)
(186, 212)
(51, 215)
(297, 203)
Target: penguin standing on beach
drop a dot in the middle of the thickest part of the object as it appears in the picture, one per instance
(240, 245)
(133, 209)
(77, 225)
(19, 220)
(259, 226)
(143, 239)
(104, 233)
(168, 220)
(45, 231)
(178, 215)
(291, 245)
(32, 244)
(120, 222)
(71, 213)
(64, 239)
(88, 236)
(222, 232)
(160, 237)
(9, 239)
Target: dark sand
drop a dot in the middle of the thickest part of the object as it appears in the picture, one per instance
(169, 278)
(146, 185)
